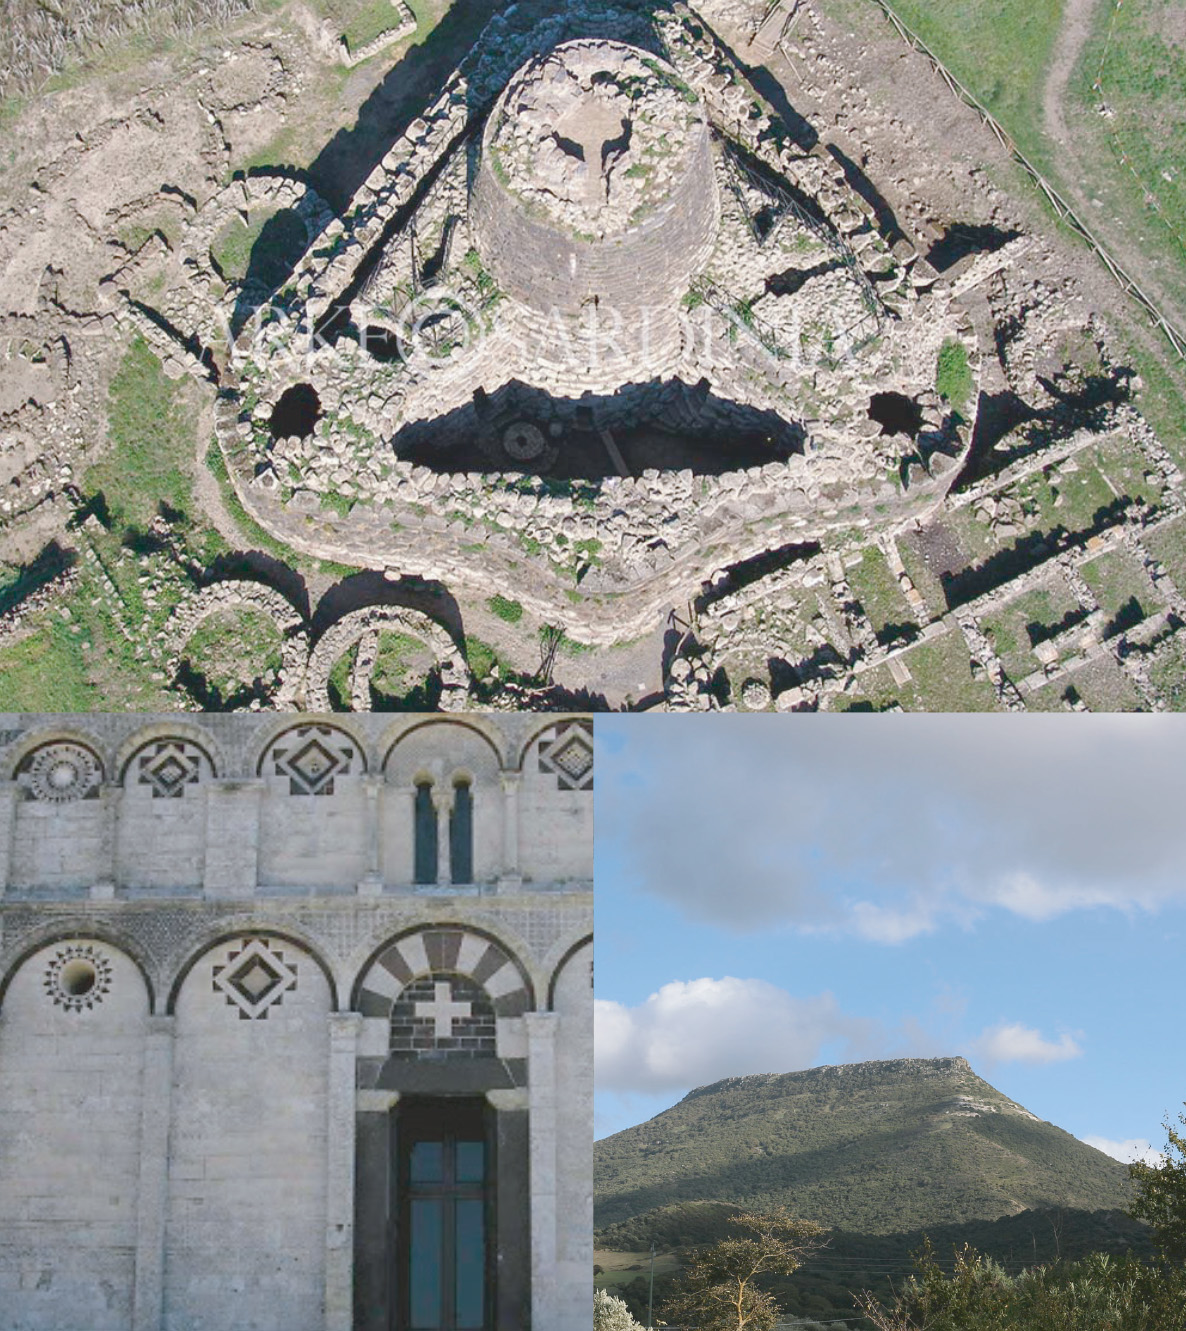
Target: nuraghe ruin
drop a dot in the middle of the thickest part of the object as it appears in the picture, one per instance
(612, 336)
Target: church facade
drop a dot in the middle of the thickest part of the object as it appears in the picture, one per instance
(296, 1023)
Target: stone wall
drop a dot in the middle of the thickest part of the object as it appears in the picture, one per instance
(204, 933)
(247, 1154)
(318, 804)
(70, 1104)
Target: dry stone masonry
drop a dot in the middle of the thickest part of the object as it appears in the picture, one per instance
(254, 973)
(653, 317)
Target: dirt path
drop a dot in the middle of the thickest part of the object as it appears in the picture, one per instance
(1078, 154)
(1077, 22)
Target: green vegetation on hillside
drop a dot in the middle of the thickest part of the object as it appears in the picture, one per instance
(1096, 1293)
(819, 1141)
(823, 1287)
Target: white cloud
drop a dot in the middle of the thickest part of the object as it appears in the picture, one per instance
(691, 1032)
(889, 831)
(1015, 1043)
(1134, 1148)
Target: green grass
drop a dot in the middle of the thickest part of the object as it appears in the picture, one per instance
(999, 50)
(1104, 687)
(267, 247)
(1143, 77)
(1032, 617)
(234, 648)
(879, 594)
(46, 672)
(510, 612)
(370, 20)
(341, 680)
(1124, 592)
(400, 679)
(149, 430)
(552, 635)
(953, 375)
(1162, 398)
(943, 678)
(1168, 673)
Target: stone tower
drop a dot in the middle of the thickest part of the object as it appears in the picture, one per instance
(595, 185)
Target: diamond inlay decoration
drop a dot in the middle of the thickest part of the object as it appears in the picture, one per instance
(255, 978)
(169, 766)
(567, 753)
(312, 757)
(61, 772)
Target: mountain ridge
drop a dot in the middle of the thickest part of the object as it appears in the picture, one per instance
(880, 1147)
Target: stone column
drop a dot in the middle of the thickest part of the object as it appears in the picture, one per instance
(344, 1028)
(442, 799)
(401, 804)
(513, 1208)
(9, 794)
(232, 838)
(107, 875)
(510, 876)
(153, 1188)
(541, 1073)
(371, 884)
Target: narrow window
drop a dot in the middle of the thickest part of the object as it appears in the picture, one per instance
(426, 834)
(461, 834)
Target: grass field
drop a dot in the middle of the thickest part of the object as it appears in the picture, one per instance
(1141, 168)
(999, 50)
(40, 42)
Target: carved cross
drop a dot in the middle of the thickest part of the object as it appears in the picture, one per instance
(443, 1010)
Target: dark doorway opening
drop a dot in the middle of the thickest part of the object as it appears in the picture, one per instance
(443, 1250)
(896, 413)
(296, 413)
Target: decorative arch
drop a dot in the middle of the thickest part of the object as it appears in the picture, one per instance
(457, 948)
(81, 932)
(312, 754)
(167, 758)
(23, 746)
(396, 735)
(59, 767)
(259, 931)
(558, 969)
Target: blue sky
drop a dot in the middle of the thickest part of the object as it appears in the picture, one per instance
(779, 892)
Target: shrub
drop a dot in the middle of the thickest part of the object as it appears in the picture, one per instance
(611, 1314)
(511, 612)
(953, 375)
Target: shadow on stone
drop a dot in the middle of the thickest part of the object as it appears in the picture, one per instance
(667, 426)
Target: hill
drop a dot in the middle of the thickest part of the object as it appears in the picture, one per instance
(876, 1148)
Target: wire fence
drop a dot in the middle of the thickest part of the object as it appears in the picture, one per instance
(1062, 209)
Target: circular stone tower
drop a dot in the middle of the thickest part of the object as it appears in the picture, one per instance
(596, 182)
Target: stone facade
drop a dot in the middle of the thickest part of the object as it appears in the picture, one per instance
(251, 971)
